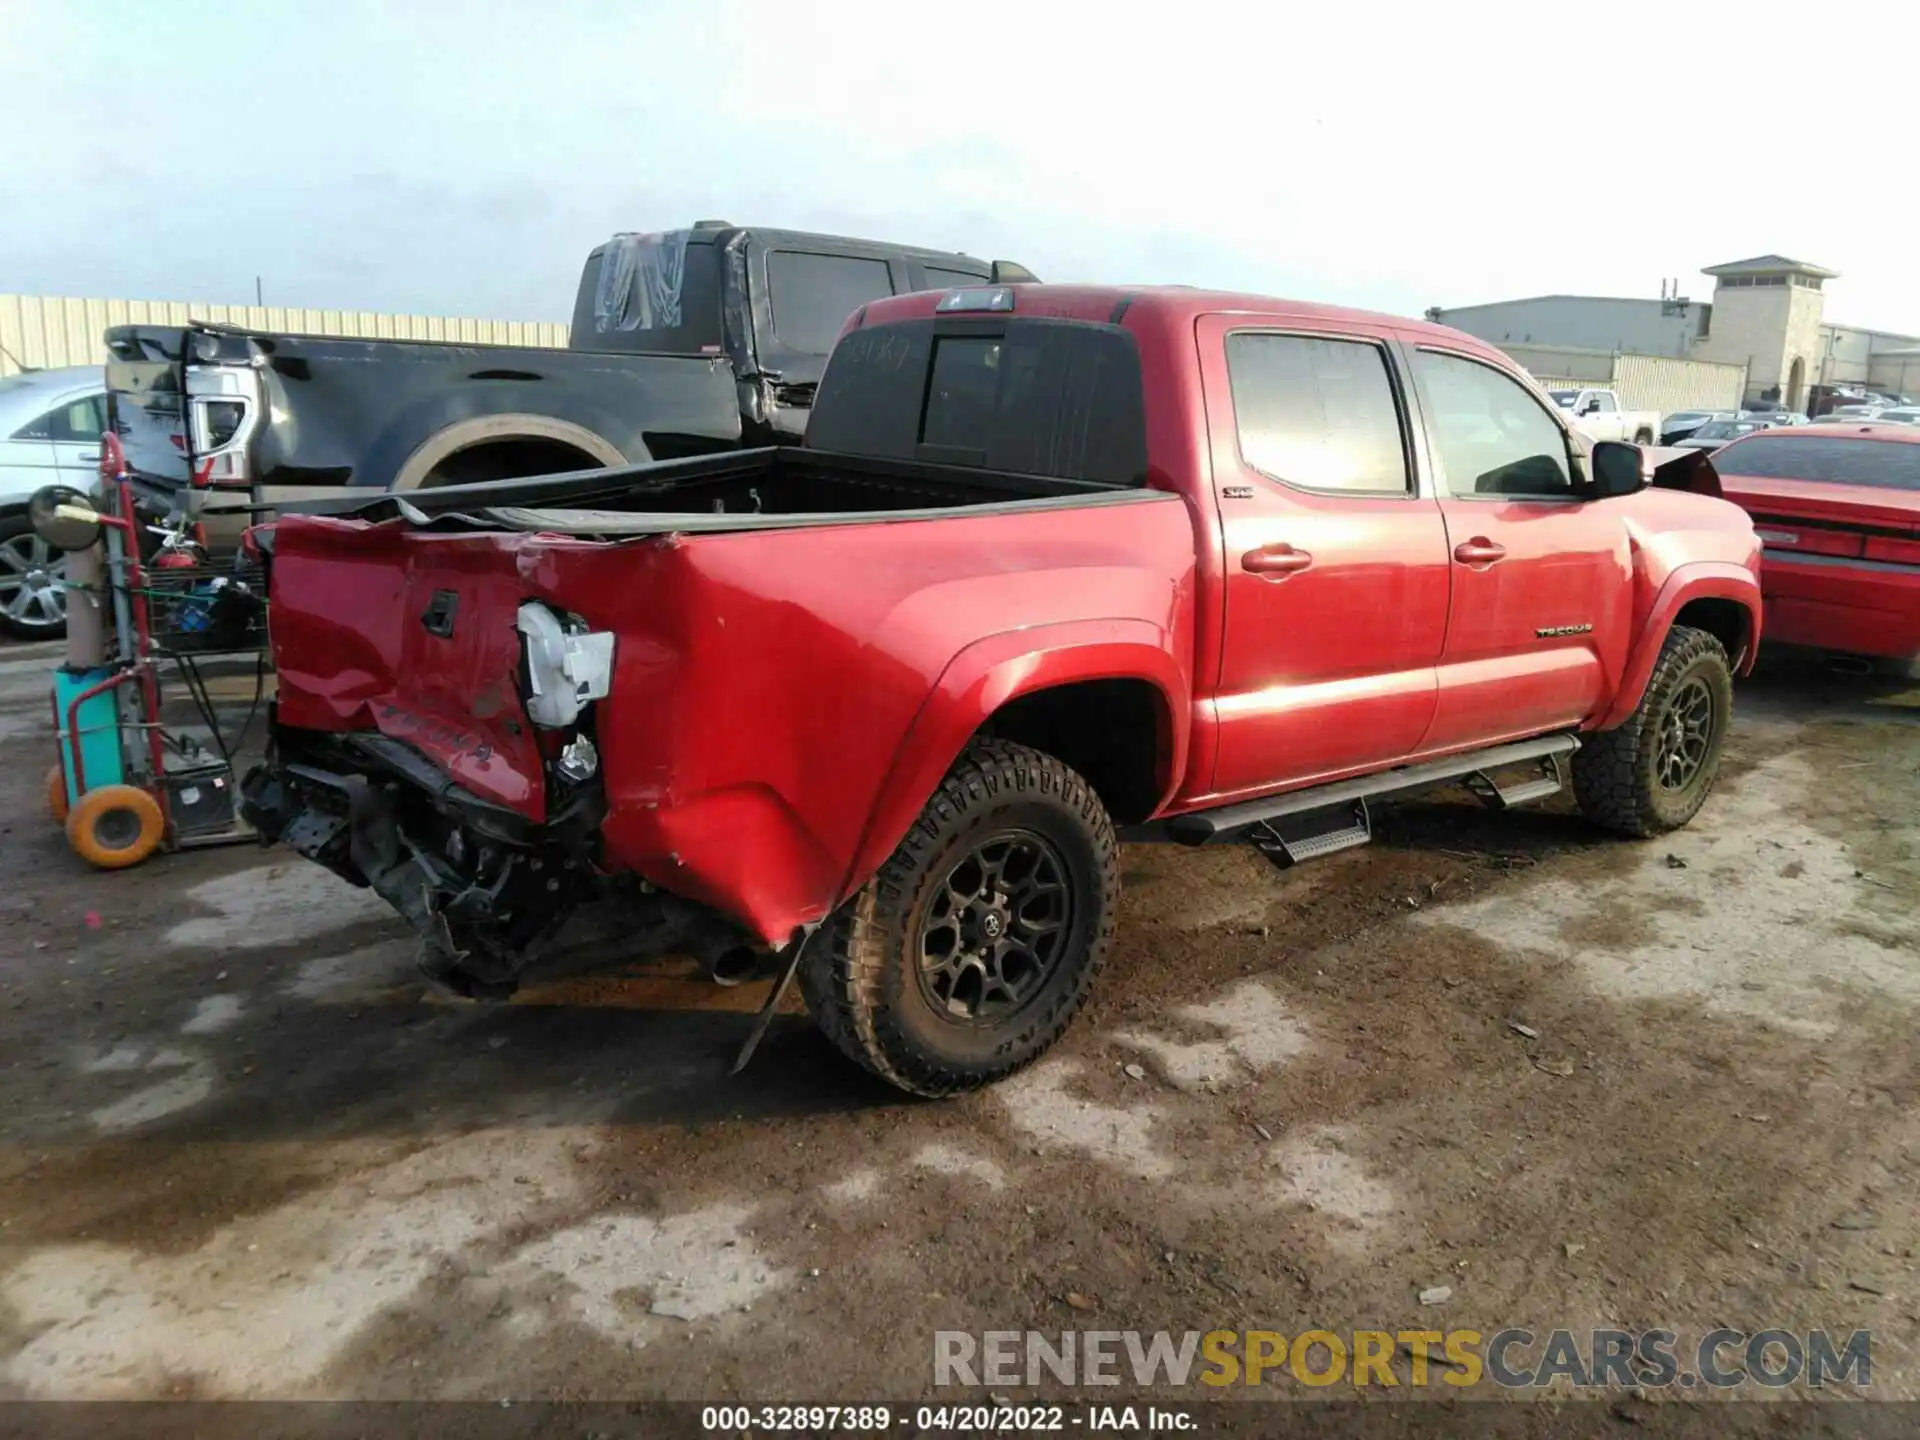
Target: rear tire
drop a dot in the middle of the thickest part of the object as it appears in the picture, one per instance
(1643, 437)
(969, 952)
(1653, 773)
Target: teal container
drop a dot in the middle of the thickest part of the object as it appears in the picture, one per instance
(96, 729)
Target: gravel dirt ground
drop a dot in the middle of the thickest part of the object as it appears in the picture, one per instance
(1576, 1082)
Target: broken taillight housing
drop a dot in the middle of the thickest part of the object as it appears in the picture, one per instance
(569, 665)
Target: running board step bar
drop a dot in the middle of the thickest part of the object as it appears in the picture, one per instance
(1290, 840)
(1230, 822)
(1549, 781)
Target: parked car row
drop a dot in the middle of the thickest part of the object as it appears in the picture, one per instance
(1886, 414)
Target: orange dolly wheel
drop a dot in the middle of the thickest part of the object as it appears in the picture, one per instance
(115, 826)
(57, 793)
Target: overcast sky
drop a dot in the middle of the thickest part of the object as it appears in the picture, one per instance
(460, 158)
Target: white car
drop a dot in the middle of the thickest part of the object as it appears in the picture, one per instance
(1899, 415)
(51, 422)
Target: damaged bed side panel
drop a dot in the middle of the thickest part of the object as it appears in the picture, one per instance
(764, 682)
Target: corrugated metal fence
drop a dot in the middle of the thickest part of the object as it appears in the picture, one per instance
(1654, 382)
(1643, 382)
(43, 332)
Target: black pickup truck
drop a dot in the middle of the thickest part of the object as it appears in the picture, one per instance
(683, 343)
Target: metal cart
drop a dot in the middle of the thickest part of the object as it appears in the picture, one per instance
(125, 785)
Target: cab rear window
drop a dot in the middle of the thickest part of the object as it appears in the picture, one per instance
(1838, 460)
(651, 294)
(1048, 397)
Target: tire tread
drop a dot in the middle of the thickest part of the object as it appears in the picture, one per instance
(842, 980)
(1612, 771)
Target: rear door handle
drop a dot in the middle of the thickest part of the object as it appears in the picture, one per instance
(1275, 562)
(1478, 551)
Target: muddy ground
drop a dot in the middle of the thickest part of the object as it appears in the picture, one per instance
(1577, 1082)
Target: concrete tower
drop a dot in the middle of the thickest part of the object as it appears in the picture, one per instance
(1766, 316)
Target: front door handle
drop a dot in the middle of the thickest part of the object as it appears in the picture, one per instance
(1478, 551)
(1275, 562)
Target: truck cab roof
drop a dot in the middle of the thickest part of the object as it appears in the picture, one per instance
(770, 300)
(1179, 303)
(721, 233)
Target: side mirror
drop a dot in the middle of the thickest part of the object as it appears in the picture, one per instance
(1616, 469)
(64, 517)
(1592, 407)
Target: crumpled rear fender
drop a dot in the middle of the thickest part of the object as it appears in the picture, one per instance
(993, 671)
(747, 853)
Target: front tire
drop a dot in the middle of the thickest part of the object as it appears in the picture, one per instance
(1653, 773)
(969, 952)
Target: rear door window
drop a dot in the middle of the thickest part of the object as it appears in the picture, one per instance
(73, 421)
(80, 421)
(1317, 413)
(1837, 460)
(812, 295)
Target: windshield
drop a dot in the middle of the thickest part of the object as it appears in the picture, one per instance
(1834, 459)
(1722, 430)
(1564, 398)
(1688, 417)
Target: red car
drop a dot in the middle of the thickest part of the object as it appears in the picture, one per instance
(1053, 560)
(1838, 509)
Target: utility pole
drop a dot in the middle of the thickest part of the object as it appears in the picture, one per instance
(258, 295)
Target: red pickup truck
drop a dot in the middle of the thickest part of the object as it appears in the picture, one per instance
(1053, 560)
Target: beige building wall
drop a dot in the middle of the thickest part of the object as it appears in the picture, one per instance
(45, 332)
(1882, 359)
(1897, 371)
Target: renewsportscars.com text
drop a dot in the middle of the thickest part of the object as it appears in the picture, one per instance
(1510, 1358)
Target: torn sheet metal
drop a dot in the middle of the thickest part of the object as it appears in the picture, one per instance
(1672, 467)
